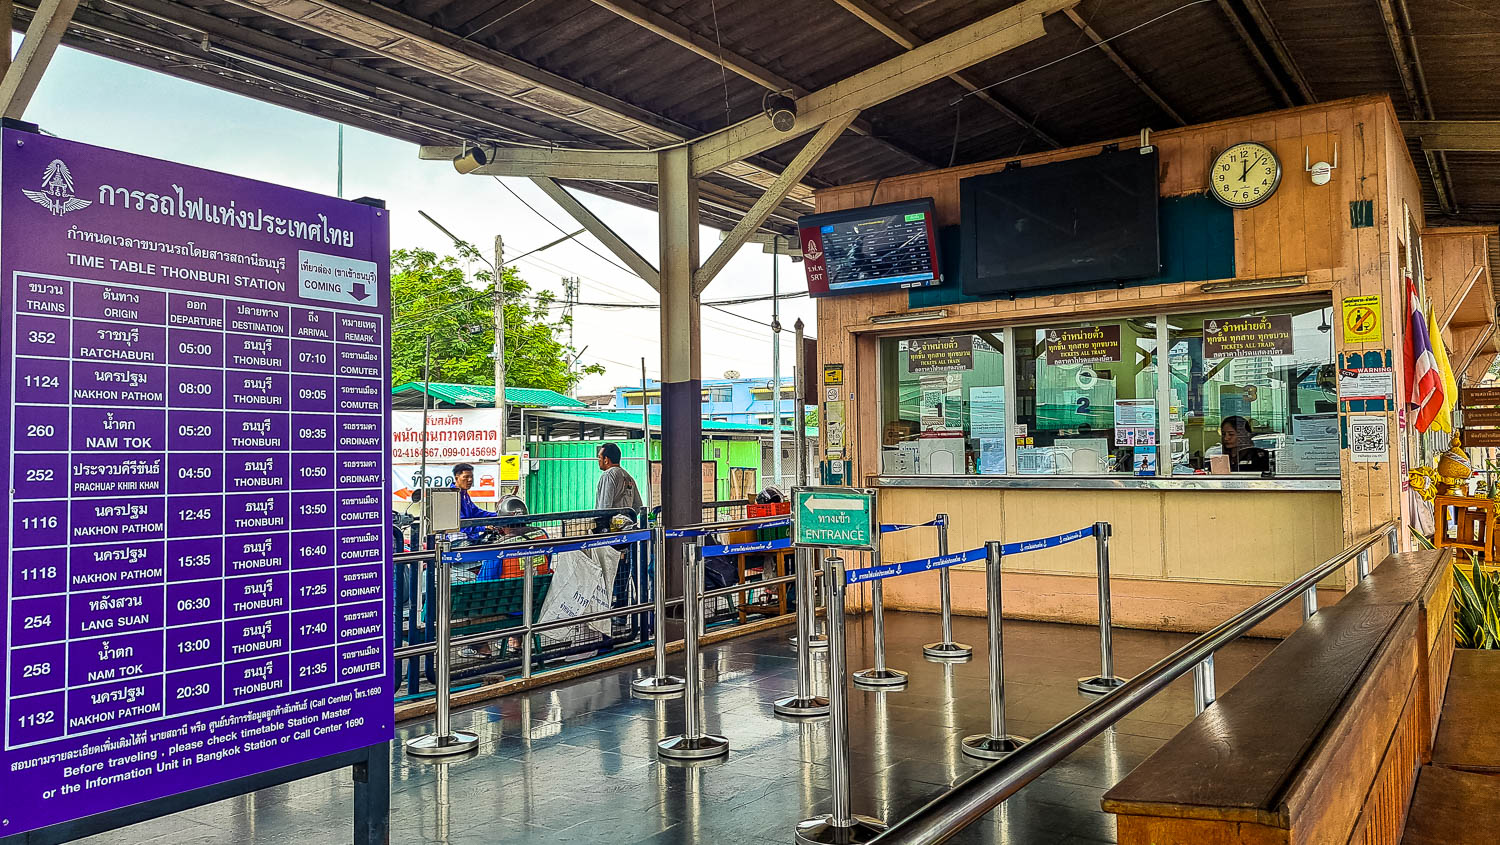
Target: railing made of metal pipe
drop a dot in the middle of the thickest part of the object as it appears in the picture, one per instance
(529, 628)
(951, 812)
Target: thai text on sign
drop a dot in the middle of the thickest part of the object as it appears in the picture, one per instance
(196, 588)
(1085, 345)
(940, 354)
(1248, 337)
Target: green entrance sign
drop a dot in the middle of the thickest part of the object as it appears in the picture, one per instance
(835, 518)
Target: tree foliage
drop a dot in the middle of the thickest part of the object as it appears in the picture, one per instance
(451, 300)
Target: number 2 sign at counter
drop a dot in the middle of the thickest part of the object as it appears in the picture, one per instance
(197, 543)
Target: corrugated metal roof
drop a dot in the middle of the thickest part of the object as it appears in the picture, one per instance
(576, 74)
(483, 395)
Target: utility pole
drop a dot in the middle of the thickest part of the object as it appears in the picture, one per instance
(570, 299)
(776, 358)
(341, 161)
(500, 404)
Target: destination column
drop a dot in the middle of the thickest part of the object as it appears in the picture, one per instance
(37, 606)
(119, 515)
(257, 587)
(195, 486)
(363, 537)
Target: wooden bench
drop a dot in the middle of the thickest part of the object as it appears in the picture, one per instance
(1455, 802)
(1468, 737)
(1320, 743)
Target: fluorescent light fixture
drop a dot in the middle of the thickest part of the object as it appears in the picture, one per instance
(1254, 284)
(910, 317)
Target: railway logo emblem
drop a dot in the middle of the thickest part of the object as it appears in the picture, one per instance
(56, 194)
(811, 252)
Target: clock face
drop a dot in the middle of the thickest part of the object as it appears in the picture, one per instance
(1245, 175)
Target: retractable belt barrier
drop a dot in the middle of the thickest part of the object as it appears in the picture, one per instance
(747, 548)
(705, 530)
(892, 570)
(890, 527)
(479, 555)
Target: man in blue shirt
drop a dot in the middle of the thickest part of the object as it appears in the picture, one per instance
(463, 479)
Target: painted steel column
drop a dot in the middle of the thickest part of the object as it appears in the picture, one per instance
(681, 374)
(45, 32)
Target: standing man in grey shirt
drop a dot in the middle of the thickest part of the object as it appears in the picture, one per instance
(616, 489)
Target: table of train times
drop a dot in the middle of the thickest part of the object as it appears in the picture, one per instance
(197, 532)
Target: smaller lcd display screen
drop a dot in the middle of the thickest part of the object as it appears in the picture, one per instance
(884, 246)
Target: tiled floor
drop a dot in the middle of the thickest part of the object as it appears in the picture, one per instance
(575, 763)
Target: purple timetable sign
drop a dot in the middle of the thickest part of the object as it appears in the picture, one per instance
(197, 368)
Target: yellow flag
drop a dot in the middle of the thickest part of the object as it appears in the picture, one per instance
(1444, 419)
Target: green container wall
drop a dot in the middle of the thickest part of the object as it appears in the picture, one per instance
(569, 469)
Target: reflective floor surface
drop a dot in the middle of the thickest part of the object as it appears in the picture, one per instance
(575, 763)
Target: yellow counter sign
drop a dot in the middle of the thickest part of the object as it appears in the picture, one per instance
(1361, 319)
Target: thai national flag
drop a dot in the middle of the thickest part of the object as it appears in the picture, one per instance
(1424, 384)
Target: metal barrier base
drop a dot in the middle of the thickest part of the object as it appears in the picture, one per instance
(1099, 685)
(986, 747)
(821, 830)
(948, 651)
(801, 707)
(692, 748)
(879, 678)
(816, 641)
(432, 745)
(658, 686)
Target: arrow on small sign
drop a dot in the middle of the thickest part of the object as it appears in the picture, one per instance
(815, 504)
(359, 293)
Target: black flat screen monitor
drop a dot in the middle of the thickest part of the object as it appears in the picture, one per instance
(893, 245)
(1055, 225)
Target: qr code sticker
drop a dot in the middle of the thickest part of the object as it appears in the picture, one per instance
(1367, 439)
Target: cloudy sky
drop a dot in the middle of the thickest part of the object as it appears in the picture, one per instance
(99, 101)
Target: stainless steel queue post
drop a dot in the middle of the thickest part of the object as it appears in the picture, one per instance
(660, 682)
(947, 649)
(806, 589)
(443, 741)
(997, 743)
(804, 703)
(878, 676)
(692, 743)
(841, 826)
(1205, 689)
(1106, 680)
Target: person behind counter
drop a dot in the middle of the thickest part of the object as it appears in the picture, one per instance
(1238, 444)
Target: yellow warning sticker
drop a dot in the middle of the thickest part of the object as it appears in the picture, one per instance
(1361, 319)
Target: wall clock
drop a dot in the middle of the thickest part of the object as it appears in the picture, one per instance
(1245, 175)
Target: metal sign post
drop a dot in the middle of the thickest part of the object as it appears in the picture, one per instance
(997, 743)
(443, 741)
(1106, 680)
(841, 826)
(879, 676)
(804, 703)
(946, 649)
(692, 743)
(659, 683)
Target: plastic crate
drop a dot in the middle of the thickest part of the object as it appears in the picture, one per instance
(772, 509)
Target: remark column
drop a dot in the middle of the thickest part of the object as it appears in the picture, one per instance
(681, 374)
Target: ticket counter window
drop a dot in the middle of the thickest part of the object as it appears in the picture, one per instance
(1086, 399)
(943, 405)
(1254, 392)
